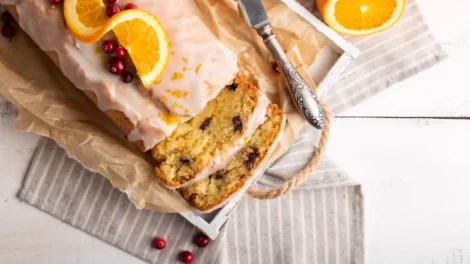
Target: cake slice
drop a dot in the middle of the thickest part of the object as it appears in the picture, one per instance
(208, 141)
(220, 186)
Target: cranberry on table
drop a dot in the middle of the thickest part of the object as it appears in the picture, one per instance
(111, 1)
(116, 66)
(159, 243)
(8, 31)
(112, 9)
(130, 6)
(7, 18)
(201, 240)
(120, 52)
(55, 2)
(127, 77)
(108, 47)
(186, 257)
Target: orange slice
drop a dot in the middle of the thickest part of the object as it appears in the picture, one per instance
(137, 30)
(361, 17)
(84, 18)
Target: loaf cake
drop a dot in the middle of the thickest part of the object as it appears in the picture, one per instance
(202, 64)
(208, 141)
(220, 186)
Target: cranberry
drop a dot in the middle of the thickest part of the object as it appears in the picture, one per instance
(127, 77)
(276, 67)
(159, 243)
(130, 6)
(120, 52)
(8, 31)
(55, 2)
(113, 9)
(7, 18)
(116, 66)
(108, 47)
(201, 240)
(111, 1)
(186, 257)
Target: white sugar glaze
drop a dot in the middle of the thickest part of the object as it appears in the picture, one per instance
(193, 45)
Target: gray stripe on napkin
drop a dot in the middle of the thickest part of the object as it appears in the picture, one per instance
(306, 226)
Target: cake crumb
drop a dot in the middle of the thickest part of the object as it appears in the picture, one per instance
(185, 60)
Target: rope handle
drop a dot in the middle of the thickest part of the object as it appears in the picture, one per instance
(301, 176)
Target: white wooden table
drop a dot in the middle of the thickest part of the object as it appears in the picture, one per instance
(409, 147)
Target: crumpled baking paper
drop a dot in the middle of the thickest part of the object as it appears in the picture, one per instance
(49, 105)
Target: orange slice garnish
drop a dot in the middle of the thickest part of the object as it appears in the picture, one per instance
(361, 17)
(137, 30)
(85, 18)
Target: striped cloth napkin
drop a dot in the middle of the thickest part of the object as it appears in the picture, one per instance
(321, 222)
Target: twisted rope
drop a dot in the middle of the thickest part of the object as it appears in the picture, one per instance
(303, 175)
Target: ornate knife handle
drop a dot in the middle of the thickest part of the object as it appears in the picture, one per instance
(302, 94)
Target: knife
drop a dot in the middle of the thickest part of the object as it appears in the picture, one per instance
(302, 94)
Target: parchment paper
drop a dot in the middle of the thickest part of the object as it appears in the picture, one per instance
(49, 105)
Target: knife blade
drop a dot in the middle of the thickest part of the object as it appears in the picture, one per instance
(302, 94)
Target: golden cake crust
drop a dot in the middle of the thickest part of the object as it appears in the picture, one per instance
(216, 189)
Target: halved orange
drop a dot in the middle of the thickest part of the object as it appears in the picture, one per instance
(361, 17)
(137, 30)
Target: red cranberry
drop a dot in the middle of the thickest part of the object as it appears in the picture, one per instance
(8, 31)
(159, 243)
(201, 240)
(186, 257)
(127, 77)
(113, 9)
(55, 2)
(7, 18)
(111, 1)
(130, 6)
(120, 52)
(276, 67)
(108, 47)
(116, 66)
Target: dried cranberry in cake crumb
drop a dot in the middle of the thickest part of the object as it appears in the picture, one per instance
(201, 240)
(108, 47)
(8, 31)
(113, 9)
(185, 161)
(159, 243)
(220, 174)
(186, 257)
(205, 124)
(111, 1)
(232, 87)
(120, 52)
(237, 123)
(130, 6)
(55, 2)
(7, 18)
(251, 158)
(127, 77)
(116, 66)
